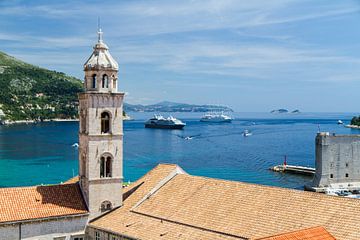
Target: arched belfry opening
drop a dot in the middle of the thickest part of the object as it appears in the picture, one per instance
(114, 81)
(105, 81)
(105, 122)
(93, 81)
(106, 166)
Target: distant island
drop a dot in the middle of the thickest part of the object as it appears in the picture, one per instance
(282, 110)
(32, 93)
(175, 107)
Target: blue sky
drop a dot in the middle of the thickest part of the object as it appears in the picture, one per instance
(250, 55)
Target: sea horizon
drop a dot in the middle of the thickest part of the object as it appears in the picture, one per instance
(42, 153)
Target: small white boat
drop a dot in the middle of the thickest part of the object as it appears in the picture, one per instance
(75, 145)
(247, 133)
(340, 122)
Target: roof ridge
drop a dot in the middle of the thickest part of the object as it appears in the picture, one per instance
(275, 187)
(192, 226)
(159, 185)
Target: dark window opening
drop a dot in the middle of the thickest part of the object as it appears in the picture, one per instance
(106, 206)
(331, 176)
(346, 164)
(105, 122)
(93, 81)
(346, 175)
(105, 167)
(102, 170)
(108, 167)
(105, 81)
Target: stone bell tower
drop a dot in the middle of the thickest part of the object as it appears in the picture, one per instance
(101, 132)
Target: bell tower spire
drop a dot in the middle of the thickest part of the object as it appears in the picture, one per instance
(101, 70)
(100, 33)
(101, 132)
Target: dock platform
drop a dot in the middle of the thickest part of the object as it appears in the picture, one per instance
(294, 169)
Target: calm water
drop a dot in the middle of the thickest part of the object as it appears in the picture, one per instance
(42, 153)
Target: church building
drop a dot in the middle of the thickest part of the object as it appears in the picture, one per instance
(166, 203)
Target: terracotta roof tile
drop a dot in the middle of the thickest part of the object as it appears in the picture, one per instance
(72, 180)
(26, 203)
(190, 207)
(315, 233)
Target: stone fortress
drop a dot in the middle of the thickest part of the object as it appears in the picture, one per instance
(337, 162)
(167, 203)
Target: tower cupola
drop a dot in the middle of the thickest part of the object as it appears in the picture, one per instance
(101, 69)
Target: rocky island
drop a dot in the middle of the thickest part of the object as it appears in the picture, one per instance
(281, 110)
(355, 123)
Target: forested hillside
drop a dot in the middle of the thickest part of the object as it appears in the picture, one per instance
(32, 93)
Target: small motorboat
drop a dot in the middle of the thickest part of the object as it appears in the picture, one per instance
(75, 145)
(340, 122)
(247, 133)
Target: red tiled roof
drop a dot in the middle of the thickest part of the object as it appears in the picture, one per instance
(26, 203)
(315, 233)
(189, 207)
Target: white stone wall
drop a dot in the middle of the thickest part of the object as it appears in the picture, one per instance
(45, 230)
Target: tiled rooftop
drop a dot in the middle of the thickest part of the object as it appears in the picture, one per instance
(29, 203)
(190, 207)
(315, 233)
(72, 180)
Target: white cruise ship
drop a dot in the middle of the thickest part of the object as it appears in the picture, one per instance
(158, 121)
(216, 118)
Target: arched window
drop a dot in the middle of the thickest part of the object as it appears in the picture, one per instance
(105, 166)
(105, 122)
(114, 83)
(93, 83)
(108, 167)
(106, 206)
(102, 169)
(105, 81)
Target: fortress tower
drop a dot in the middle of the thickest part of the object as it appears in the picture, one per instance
(101, 132)
(337, 161)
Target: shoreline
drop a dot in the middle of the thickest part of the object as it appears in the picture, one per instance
(7, 122)
(352, 126)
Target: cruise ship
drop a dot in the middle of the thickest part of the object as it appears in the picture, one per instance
(216, 118)
(158, 121)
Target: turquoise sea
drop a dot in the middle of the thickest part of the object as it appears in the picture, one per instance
(43, 154)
